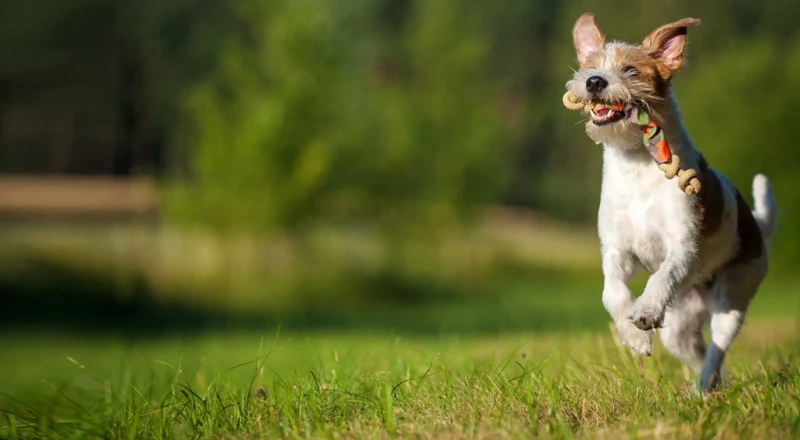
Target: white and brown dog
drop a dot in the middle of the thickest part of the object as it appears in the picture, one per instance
(706, 253)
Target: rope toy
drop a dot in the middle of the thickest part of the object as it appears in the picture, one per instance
(654, 140)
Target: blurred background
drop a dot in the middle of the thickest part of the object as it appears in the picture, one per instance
(181, 166)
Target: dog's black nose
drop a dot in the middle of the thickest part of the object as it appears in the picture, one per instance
(595, 84)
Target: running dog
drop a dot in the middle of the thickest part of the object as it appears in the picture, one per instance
(706, 252)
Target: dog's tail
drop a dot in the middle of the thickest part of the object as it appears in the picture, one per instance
(765, 211)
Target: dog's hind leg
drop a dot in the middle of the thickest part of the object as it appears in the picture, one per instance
(682, 334)
(727, 303)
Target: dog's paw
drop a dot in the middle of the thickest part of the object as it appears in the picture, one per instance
(639, 341)
(646, 317)
(711, 380)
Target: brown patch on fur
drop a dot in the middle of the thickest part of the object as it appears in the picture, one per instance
(665, 72)
(711, 206)
(638, 58)
(594, 60)
(751, 243)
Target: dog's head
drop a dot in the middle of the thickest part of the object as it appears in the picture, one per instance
(625, 73)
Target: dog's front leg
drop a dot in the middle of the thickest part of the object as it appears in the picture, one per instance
(673, 274)
(618, 266)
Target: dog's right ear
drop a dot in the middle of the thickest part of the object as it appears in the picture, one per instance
(586, 37)
(666, 44)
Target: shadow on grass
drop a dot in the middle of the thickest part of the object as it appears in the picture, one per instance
(49, 296)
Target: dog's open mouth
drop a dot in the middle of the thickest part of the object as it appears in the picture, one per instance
(607, 114)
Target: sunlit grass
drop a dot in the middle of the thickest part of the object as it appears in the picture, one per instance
(362, 386)
(522, 350)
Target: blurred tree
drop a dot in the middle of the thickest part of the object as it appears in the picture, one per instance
(399, 113)
(301, 118)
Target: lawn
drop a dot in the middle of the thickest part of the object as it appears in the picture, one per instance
(529, 353)
(382, 386)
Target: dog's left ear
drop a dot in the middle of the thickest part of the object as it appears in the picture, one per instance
(666, 44)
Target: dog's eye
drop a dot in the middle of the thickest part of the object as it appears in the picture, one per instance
(632, 71)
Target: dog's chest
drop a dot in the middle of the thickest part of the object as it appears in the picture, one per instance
(640, 211)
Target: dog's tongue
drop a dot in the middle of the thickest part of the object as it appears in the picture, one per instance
(603, 111)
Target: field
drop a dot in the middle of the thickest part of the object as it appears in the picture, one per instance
(535, 357)
(355, 219)
(381, 386)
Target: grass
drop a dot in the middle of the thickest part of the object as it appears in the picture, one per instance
(526, 353)
(378, 386)
(156, 277)
(512, 274)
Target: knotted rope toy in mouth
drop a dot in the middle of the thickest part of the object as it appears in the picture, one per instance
(653, 137)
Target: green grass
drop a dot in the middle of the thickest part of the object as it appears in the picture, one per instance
(523, 351)
(380, 386)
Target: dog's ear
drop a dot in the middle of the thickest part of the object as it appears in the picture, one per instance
(666, 45)
(586, 37)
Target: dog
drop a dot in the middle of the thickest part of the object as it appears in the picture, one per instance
(706, 253)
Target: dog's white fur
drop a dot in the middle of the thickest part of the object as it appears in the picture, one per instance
(646, 220)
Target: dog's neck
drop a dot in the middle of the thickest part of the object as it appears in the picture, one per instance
(629, 144)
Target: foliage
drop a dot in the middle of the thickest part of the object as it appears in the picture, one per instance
(303, 117)
(394, 113)
(409, 112)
